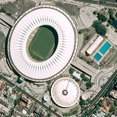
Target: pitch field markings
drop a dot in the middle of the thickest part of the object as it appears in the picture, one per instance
(43, 43)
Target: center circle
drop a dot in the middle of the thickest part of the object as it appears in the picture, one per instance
(64, 92)
(42, 43)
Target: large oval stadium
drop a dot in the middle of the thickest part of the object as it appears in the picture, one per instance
(42, 43)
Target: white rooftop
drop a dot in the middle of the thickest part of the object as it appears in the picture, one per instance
(62, 57)
(77, 75)
(65, 92)
(95, 44)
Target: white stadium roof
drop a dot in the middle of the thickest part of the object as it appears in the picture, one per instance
(65, 92)
(62, 57)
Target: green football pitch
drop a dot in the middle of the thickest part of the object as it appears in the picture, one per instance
(43, 43)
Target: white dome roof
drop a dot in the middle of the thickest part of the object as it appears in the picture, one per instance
(85, 96)
(65, 92)
(65, 51)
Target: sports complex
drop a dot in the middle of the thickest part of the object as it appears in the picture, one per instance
(42, 43)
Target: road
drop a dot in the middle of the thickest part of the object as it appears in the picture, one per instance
(109, 4)
(101, 93)
(30, 96)
(7, 19)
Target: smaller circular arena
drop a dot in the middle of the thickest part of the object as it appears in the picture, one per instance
(65, 92)
(42, 43)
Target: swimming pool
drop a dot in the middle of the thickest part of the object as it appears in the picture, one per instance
(105, 47)
(97, 57)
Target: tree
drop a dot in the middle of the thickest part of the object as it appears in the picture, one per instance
(108, 115)
(82, 75)
(112, 109)
(71, 70)
(86, 79)
(94, 12)
(101, 17)
(111, 12)
(83, 102)
(16, 101)
(115, 102)
(89, 85)
(116, 15)
(99, 28)
(96, 23)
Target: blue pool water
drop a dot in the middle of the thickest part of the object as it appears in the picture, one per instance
(97, 57)
(105, 47)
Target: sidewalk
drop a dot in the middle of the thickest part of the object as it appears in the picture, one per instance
(83, 66)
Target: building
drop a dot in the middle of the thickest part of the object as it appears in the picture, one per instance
(96, 49)
(65, 92)
(113, 93)
(77, 75)
(19, 37)
(106, 106)
(94, 45)
(2, 85)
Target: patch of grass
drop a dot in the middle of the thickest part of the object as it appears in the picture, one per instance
(43, 44)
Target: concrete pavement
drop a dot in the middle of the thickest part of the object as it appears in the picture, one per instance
(7, 19)
(80, 64)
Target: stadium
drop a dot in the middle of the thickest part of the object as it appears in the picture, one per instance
(65, 92)
(42, 43)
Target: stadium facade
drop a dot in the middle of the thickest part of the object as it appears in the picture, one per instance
(19, 37)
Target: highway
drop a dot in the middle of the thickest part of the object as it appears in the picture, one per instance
(30, 96)
(101, 93)
(109, 4)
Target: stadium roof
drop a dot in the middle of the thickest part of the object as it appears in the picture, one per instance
(65, 51)
(65, 92)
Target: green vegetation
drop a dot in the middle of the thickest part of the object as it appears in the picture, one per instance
(83, 102)
(43, 44)
(108, 115)
(115, 102)
(19, 81)
(112, 109)
(89, 84)
(71, 70)
(111, 12)
(112, 17)
(95, 12)
(116, 15)
(16, 101)
(83, 30)
(101, 17)
(71, 112)
(84, 78)
(99, 28)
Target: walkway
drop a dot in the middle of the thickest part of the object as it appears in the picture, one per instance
(83, 66)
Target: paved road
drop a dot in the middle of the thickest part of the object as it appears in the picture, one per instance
(30, 96)
(7, 19)
(109, 4)
(101, 93)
